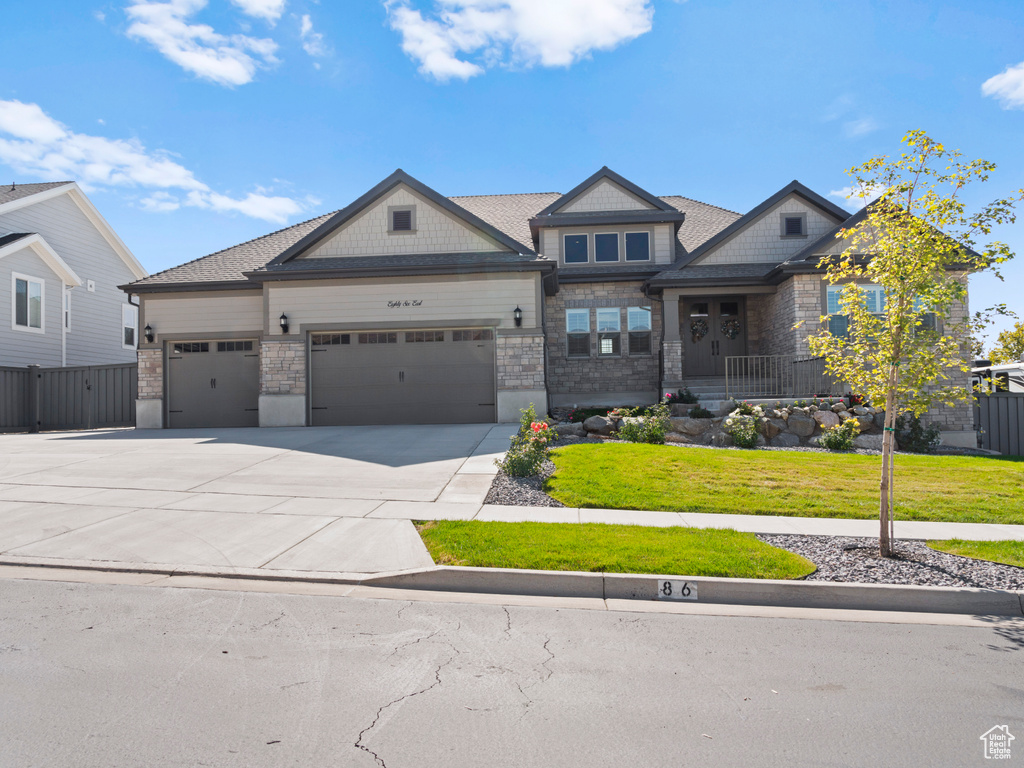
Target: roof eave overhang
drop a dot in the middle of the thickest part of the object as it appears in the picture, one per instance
(657, 285)
(445, 269)
(208, 285)
(626, 218)
(567, 277)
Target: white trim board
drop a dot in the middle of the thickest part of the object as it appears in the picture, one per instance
(49, 256)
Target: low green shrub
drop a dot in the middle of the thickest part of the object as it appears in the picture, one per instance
(915, 437)
(645, 425)
(840, 437)
(743, 428)
(682, 396)
(700, 413)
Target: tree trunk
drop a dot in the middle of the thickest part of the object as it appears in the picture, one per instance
(885, 489)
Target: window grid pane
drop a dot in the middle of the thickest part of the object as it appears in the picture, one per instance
(608, 320)
(577, 320)
(579, 345)
(638, 246)
(606, 246)
(21, 302)
(575, 249)
(639, 318)
(640, 343)
(608, 344)
(35, 305)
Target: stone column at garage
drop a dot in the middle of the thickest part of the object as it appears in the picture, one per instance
(283, 382)
(520, 373)
(149, 407)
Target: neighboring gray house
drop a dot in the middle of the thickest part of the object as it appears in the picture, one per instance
(411, 307)
(60, 268)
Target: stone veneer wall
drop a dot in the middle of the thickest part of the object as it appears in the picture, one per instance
(583, 375)
(520, 361)
(283, 368)
(151, 374)
(960, 417)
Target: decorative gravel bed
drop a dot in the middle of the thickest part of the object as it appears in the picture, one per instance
(522, 491)
(854, 559)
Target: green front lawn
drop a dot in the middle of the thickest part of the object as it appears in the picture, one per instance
(938, 488)
(1006, 552)
(596, 547)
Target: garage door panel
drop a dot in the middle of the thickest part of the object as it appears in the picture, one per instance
(208, 387)
(419, 379)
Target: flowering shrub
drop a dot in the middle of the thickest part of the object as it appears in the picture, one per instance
(747, 409)
(645, 425)
(743, 424)
(840, 437)
(682, 396)
(529, 446)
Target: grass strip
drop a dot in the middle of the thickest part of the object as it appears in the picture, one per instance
(1005, 552)
(596, 547)
(970, 489)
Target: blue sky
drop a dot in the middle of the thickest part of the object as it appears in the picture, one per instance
(198, 124)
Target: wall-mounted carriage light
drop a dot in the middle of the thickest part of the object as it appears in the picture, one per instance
(517, 313)
(148, 331)
(284, 323)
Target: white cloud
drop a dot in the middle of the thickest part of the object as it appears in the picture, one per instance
(160, 202)
(197, 48)
(269, 10)
(860, 127)
(312, 42)
(857, 197)
(1007, 86)
(33, 143)
(551, 33)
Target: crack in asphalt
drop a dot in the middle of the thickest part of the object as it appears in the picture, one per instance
(437, 681)
(413, 642)
(551, 657)
(508, 623)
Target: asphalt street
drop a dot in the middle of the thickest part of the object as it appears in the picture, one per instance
(115, 675)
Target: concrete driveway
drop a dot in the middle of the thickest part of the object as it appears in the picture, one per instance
(336, 499)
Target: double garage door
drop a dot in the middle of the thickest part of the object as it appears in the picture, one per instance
(403, 377)
(444, 376)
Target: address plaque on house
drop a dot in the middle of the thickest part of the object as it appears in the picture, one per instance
(405, 303)
(677, 590)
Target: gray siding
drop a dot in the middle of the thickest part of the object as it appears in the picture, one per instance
(95, 336)
(21, 347)
(204, 312)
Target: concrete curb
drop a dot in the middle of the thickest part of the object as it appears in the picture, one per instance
(610, 586)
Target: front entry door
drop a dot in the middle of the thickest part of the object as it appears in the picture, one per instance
(712, 330)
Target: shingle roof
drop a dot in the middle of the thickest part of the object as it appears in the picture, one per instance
(9, 192)
(13, 237)
(355, 263)
(231, 264)
(715, 272)
(508, 213)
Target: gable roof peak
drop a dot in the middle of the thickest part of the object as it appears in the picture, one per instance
(607, 173)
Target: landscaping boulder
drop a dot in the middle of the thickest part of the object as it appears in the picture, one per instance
(860, 410)
(676, 437)
(827, 419)
(681, 409)
(721, 440)
(786, 440)
(801, 425)
(772, 427)
(879, 418)
(868, 442)
(846, 416)
(599, 425)
(838, 407)
(571, 430)
(866, 421)
(690, 426)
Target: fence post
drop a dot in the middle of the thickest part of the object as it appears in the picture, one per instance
(35, 386)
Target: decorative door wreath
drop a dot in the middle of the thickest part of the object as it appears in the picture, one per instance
(698, 329)
(731, 328)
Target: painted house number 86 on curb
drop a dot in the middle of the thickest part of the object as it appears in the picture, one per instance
(677, 590)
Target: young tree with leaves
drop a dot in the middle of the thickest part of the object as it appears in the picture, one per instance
(919, 243)
(1009, 345)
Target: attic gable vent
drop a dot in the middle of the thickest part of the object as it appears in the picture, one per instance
(403, 219)
(794, 225)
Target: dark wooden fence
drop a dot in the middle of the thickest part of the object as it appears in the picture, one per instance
(1000, 419)
(85, 397)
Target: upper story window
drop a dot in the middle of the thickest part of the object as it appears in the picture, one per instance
(130, 325)
(606, 246)
(575, 250)
(402, 218)
(638, 246)
(577, 329)
(794, 224)
(27, 308)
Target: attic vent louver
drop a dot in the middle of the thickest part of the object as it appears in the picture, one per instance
(794, 225)
(401, 221)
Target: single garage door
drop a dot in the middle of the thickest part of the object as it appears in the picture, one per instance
(213, 384)
(403, 377)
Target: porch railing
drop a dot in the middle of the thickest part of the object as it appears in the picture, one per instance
(764, 376)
